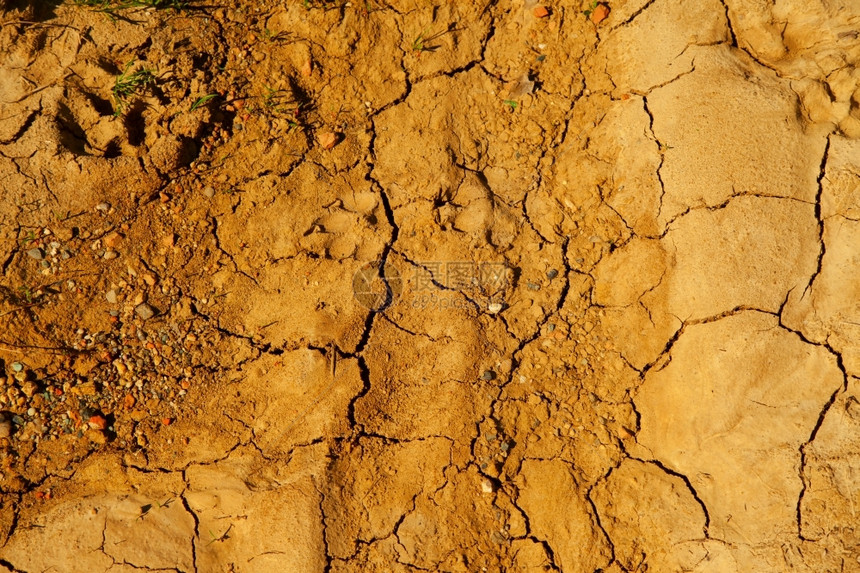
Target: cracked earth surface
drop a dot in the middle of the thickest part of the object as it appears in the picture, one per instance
(663, 374)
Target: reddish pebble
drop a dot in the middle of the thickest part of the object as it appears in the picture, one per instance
(600, 13)
(97, 422)
(327, 139)
(541, 11)
(166, 421)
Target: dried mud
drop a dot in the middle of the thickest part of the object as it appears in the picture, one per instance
(425, 286)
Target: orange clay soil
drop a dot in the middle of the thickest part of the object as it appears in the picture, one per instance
(419, 285)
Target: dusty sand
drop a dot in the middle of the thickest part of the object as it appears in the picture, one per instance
(430, 286)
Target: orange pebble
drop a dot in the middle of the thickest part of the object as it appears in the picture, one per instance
(327, 139)
(600, 13)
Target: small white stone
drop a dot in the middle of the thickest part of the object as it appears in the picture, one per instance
(494, 308)
(487, 485)
(36, 253)
(144, 311)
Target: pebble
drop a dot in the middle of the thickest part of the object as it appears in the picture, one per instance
(5, 428)
(110, 255)
(487, 485)
(327, 139)
(17, 366)
(209, 191)
(551, 274)
(144, 311)
(36, 253)
(600, 13)
(494, 308)
(103, 206)
(112, 239)
(96, 437)
(111, 296)
(488, 375)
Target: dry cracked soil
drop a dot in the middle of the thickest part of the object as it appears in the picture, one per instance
(414, 285)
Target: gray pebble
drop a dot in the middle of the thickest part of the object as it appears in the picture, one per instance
(17, 366)
(488, 375)
(144, 311)
(551, 274)
(36, 253)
